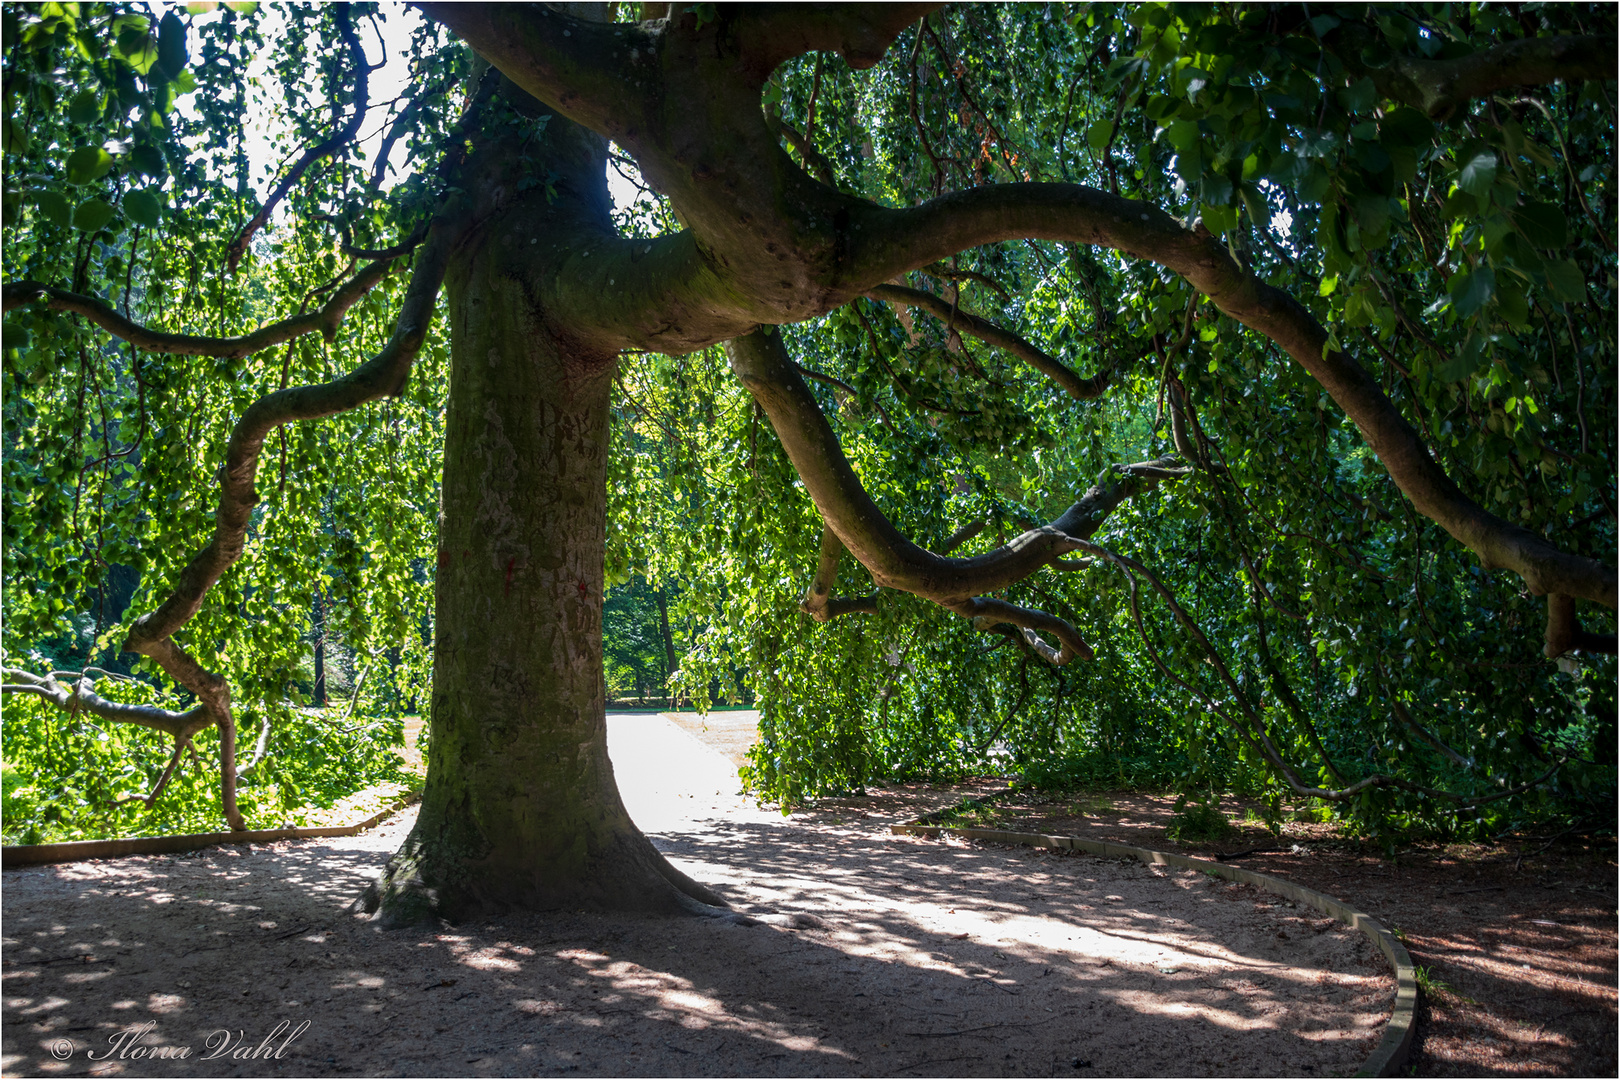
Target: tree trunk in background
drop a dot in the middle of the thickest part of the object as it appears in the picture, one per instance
(520, 809)
(318, 695)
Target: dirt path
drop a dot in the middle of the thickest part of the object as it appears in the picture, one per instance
(933, 959)
(1518, 938)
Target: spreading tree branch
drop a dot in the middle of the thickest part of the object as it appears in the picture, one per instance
(79, 696)
(893, 241)
(340, 137)
(1439, 87)
(1076, 387)
(384, 375)
(152, 634)
(818, 603)
(325, 321)
(760, 360)
(1564, 633)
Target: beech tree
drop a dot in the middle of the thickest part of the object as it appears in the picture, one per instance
(1257, 338)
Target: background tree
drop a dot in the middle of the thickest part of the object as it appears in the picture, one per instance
(1249, 306)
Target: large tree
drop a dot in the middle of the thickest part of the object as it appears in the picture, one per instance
(1329, 274)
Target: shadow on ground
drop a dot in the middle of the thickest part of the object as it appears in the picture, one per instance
(934, 960)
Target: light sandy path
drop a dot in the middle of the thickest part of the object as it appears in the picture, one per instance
(936, 959)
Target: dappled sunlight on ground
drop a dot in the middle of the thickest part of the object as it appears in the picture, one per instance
(931, 958)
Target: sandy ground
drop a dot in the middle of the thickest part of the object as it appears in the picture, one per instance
(933, 959)
(1518, 937)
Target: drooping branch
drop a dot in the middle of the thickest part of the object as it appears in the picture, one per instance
(152, 634)
(383, 375)
(1564, 633)
(404, 247)
(818, 603)
(761, 362)
(894, 561)
(1250, 727)
(987, 612)
(151, 797)
(893, 241)
(767, 244)
(342, 135)
(1081, 389)
(79, 696)
(325, 321)
(1439, 87)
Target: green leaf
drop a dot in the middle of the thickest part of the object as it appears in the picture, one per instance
(85, 107)
(1259, 211)
(1099, 133)
(147, 160)
(201, 7)
(55, 207)
(243, 7)
(1543, 224)
(144, 207)
(1463, 362)
(92, 215)
(1372, 212)
(1566, 280)
(1470, 289)
(88, 163)
(1511, 303)
(1359, 96)
(137, 47)
(1219, 219)
(171, 45)
(1183, 135)
(16, 136)
(1476, 171)
(1407, 127)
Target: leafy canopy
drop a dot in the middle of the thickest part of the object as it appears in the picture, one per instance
(1458, 242)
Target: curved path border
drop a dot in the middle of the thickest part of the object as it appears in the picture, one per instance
(76, 850)
(1390, 1053)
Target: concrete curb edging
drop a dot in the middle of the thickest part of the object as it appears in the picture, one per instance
(76, 850)
(1390, 1053)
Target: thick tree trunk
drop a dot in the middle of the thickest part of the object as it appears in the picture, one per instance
(520, 808)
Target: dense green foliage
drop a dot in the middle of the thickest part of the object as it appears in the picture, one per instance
(1466, 259)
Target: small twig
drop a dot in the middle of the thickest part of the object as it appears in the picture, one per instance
(964, 1031)
(1246, 852)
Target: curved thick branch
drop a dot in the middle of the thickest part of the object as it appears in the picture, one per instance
(383, 375)
(78, 695)
(764, 367)
(988, 612)
(853, 521)
(818, 603)
(595, 71)
(326, 320)
(893, 241)
(769, 244)
(1439, 87)
(1076, 387)
(338, 138)
(1564, 633)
